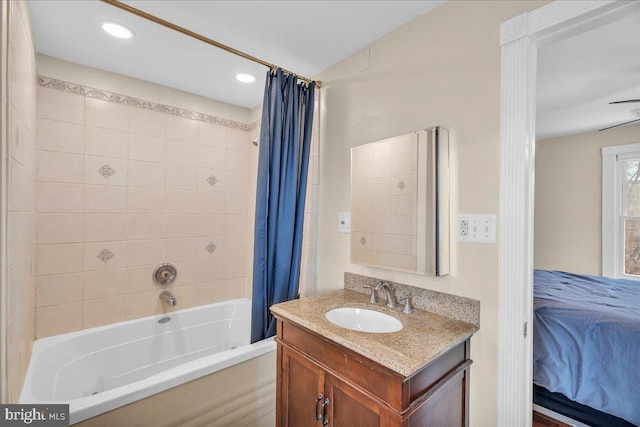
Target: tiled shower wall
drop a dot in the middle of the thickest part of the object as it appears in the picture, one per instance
(124, 185)
(21, 184)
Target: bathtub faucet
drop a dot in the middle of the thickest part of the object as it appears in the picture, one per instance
(168, 297)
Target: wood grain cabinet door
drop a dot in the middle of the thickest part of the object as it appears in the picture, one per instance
(349, 407)
(303, 384)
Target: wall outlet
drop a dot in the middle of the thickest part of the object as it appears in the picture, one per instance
(476, 228)
(344, 222)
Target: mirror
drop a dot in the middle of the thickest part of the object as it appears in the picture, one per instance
(400, 203)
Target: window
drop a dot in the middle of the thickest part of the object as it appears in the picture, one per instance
(621, 211)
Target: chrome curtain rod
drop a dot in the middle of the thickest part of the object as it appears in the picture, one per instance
(202, 38)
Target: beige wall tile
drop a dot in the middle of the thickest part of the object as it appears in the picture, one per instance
(234, 288)
(185, 297)
(58, 289)
(104, 283)
(402, 205)
(237, 140)
(237, 161)
(181, 225)
(21, 187)
(180, 201)
(145, 226)
(105, 255)
(187, 272)
(235, 268)
(105, 143)
(147, 148)
(60, 167)
(59, 228)
(146, 174)
(211, 157)
(182, 129)
(211, 180)
(105, 114)
(181, 249)
(103, 311)
(105, 227)
(144, 252)
(211, 202)
(182, 153)
(62, 106)
(237, 182)
(143, 304)
(146, 200)
(59, 259)
(211, 225)
(211, 247)
(147, 122)
(236, 225)
(235, 247)
(140, 279)
(57, 197)
(208, 293)
(181, 177)
(58, 319)
(60, 136)
(213, 135)
(210, 270)
(235, 203)
(105, 199)
(105, 171)
(16, 134)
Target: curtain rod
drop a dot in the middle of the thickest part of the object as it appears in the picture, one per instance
(167, 24)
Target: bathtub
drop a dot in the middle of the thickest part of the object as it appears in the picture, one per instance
(106, 369)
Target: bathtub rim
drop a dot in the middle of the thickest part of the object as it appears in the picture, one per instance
(86, 407)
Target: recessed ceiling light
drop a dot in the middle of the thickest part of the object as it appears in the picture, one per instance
(245, 78)
(117, 30)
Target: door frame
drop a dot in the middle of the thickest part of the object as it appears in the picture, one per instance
(520, 37)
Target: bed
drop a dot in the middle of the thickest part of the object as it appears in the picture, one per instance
(586, 347)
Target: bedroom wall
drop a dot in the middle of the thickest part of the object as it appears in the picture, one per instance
(443, 68)
(568, 199)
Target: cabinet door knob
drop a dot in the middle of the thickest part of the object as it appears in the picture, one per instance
(326, 403)
(315, 408)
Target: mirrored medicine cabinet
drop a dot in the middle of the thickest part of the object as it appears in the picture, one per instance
(400, 202)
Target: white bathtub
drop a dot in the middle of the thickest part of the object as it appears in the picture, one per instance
(100, 369)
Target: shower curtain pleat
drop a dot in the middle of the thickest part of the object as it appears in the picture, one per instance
(285, 141)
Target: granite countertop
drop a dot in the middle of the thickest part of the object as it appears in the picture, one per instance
(423, 338)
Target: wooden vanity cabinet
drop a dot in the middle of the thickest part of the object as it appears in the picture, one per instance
(357, 392)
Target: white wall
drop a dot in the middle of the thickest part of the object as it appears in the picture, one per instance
(568, 199)
(441, 69)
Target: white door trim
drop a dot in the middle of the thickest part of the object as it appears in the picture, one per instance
(519, 39)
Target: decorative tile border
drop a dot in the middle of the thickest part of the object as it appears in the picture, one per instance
(141, 103)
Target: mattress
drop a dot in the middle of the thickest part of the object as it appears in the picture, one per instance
(586, 340)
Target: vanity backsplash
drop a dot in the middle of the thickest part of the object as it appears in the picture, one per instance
(459, 308)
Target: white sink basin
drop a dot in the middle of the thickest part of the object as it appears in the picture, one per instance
(363, 320)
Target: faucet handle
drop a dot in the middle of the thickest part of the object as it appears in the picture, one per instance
(407, 304)
(372, 298)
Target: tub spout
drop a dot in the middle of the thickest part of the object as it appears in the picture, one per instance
(168, 297)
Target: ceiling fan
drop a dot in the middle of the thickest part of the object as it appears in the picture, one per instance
(626, 101)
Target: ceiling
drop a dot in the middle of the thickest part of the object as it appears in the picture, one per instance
(302, 36)
(578, 77)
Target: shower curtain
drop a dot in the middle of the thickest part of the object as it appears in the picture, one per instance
(285, 140)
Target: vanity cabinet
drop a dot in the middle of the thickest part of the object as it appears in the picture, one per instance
(321, 382)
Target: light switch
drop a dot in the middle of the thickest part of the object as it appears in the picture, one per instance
(476, 228)
(344, 224)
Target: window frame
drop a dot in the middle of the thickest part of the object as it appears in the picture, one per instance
(613, 193)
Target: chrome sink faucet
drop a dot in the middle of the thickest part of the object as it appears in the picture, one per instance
(391, 294)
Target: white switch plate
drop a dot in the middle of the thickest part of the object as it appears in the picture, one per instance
(344, 224)
(476, 228)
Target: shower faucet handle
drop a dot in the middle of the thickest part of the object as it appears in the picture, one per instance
(372, 299)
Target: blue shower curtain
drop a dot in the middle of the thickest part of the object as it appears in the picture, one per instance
(285, 140)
